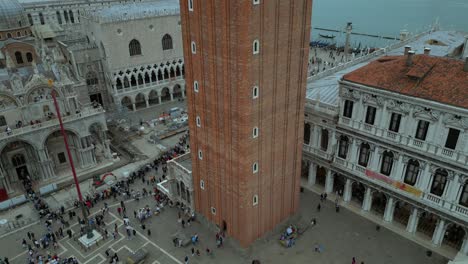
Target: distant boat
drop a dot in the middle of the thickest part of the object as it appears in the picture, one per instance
(327, 36)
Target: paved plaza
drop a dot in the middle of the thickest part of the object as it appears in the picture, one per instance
(342, 235)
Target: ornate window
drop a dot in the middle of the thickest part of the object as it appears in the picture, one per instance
(255, 200)
(134, 47)
(343, 148)
(255, 167)
(364, 154)
(421, 131)
(464, 196)
(194, 47)
(348, 109)
(202, 184)
(370, 115)
(167, 42)
(452, 138)
(255, 132)
(412, 170)
(439, 181)
(387, 163)
(395, 122)
(255, 92)
(190, 5)
(195, 86)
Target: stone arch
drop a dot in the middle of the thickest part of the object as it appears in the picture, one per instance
(153, 97)
(165, 95)
(127, 102)
(41, 93)
(379, 202)
(160, 75)
(18, 175)
(177, 91)
(8, 101)
(147, 78)
(140, 101)
(454, 235)
(166, 74)
(177, 72)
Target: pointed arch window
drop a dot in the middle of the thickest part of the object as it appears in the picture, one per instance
(134, 47)
(59, 18)
(41, 18)
(167, 42)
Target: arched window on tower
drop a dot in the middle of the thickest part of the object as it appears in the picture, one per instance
(29, 57)
(91, 78)
(167, 42)
(65, 15)
(134, 47)
(19, 57)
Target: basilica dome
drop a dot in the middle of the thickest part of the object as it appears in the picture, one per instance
(12, 15)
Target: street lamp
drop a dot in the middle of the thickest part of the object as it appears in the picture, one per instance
(70, 159)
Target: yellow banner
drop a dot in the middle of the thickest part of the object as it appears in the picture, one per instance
(407, 188)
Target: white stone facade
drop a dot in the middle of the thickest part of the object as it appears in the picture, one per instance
(414, 177)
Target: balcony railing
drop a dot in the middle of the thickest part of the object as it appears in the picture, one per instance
(148, 85)
(46, 122)
(416, 144)
(316, 151)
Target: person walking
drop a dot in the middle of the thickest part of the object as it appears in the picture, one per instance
(319, 207)
(186, 260)
(353, 261)
(193, 252)
(149, 232)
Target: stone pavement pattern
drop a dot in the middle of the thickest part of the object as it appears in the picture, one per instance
(343, 235)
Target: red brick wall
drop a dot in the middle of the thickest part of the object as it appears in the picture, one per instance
(226, 71)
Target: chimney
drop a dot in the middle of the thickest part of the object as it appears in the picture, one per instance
(409, 59)
(427, 51)
(465, 69)
(407, 48)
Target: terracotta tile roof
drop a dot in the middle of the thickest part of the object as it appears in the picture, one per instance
(432, 78)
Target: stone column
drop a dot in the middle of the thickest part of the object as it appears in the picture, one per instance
(134, 107)
(354, 151)
(183, 93)
(312, 174)
(332, 143)
(464, 248)
(374, 163)
(46, 164)
(4, 179)
(348, 191)
(315, 136)
(454, 186)
(329, 181)
(397, 172)
(383, 118)
(159, 99)
(147, 103)
(389, 210)
(412, 225)
(172, 96)
(425, 177)
(439, 232)
(367, 203)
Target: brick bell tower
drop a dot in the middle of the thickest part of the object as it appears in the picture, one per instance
(246, 71)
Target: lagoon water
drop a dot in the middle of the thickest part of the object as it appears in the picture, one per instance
(387, 17)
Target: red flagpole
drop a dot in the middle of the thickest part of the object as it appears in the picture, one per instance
(70, 159)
